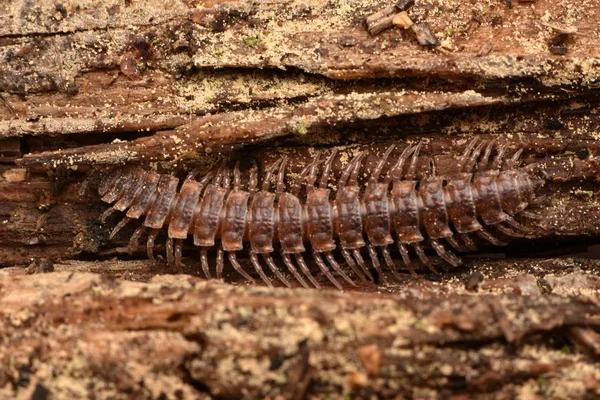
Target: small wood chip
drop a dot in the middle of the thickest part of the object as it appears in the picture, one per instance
(586, 337)
(358, 380)
(559, 38)
(402, 20)
(560, 28)
(403, 5)
(15, 175)
(558, 50)
(370, 357)
(380, 25)
(424, 35)
(472, 282)
(485, 49)
(383, 19)
(372, 19)
(40, 266)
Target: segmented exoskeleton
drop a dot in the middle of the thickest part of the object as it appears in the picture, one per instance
(219, 213)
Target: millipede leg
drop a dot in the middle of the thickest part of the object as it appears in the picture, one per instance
(204, 262)
(226, 179)
(352, 264)
(312, 172)
(118, 227)
(468, 241)
(267, 257)
(170, 255)
(379, 167)
(258, 268)
(497, 163)
(353, 180)
(512, 162)
(237, 180)
(236, 265)
(290, 266)
(220, 263)
(178, 263)
(106, 214)
(325, 270)
(305, 270)
(530, 215)
(454, 243)
(513, 233)
(337, 268)
(281, 178)
(219, 175)
(361, 263)
(327, 170)
(448, 256)
(389, 262)
(207, 177)
(266, 183)
(462, 162)
(295, 188)
(253, 182)
(349, 169)
(410, 174)
(395, 173)
(482, 233)
(520, 227)
(423, 257)
(406, 258)
(134, 241)
(485, 159)
(470, 165)
(375, 261)
(150, 244)
(538, 200)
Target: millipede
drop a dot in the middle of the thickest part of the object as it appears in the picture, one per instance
(223, 213)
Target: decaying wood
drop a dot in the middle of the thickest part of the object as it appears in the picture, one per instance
(80, 334)
(168, 73)
(175, 85)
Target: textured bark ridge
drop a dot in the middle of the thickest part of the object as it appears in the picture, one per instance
(176, 85)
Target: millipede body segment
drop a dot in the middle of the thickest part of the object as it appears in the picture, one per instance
(219, 212)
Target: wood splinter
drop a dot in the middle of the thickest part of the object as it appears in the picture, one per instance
(397, 15)
(424, 35)
(384, 19)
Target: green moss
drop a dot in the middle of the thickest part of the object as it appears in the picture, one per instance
(421, 324)
(191, 155)
(252, 41)
(584, 193)
(301, 129)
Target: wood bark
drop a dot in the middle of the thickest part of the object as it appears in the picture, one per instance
(173, 85)
(524, 331)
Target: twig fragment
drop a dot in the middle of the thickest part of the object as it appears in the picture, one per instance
(384, 19)
(7, 105)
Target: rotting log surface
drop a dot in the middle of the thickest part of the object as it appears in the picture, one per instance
(176, 84)
(526, 331)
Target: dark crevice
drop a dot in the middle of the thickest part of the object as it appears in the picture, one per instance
(38, 144)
